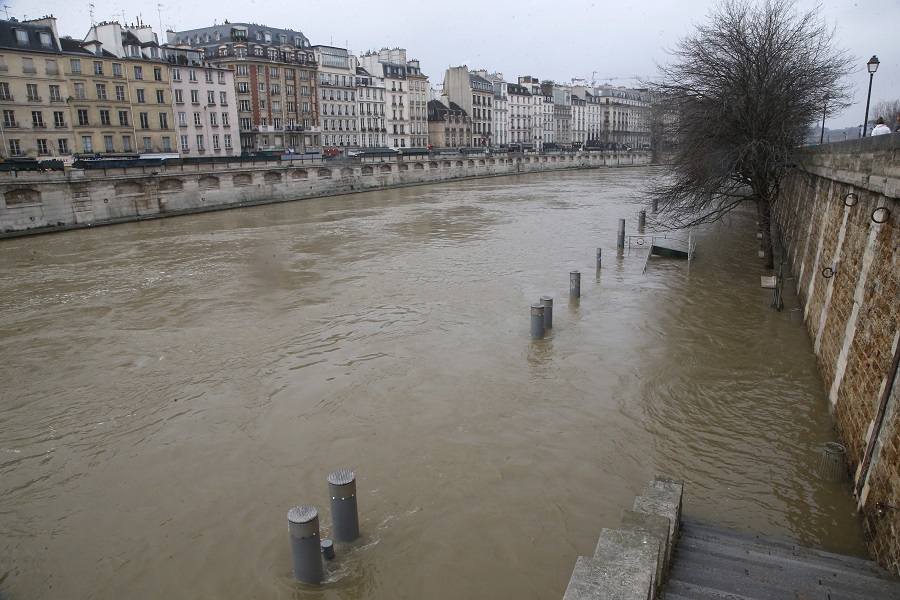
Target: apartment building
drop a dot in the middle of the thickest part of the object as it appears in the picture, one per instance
(370, 96)
(475, 95)
(406, 96)
(204, 105)
(521, 114)
(626, 115)
(500, 126)
(543, 129)
(275, 73)
(448, 125)
(36, 121)
(338, 105)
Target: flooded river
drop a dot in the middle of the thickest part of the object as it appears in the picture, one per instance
(171, 388)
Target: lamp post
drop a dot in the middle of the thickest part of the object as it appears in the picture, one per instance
(872, 65)
(824, 111)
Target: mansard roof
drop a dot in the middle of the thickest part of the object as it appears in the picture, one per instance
(9, 41)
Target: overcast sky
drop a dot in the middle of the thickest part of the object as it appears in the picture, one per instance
(606, 41)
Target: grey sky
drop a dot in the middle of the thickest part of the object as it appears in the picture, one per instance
(609, 41)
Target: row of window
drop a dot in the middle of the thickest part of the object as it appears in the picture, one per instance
(192, 75)
(84, 118)
(186, 147)
(37, 119)
(98, 69)
(195, 97)
(198, 119)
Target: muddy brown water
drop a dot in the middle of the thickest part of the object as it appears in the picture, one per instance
(171, 388)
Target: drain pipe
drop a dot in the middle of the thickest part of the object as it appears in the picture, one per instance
(866, 463)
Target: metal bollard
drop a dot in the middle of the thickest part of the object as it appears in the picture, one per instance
(599, 252)
(327, 549)
(832, 467)
(642, 220)
(620, 240)
(547, 303)
(303, 526)
(575, 284)
(537, 321)
(655, 205)
(344, 514)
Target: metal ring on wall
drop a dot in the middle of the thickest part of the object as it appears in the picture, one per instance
(887, 214)
(851, 199)
(827, 272)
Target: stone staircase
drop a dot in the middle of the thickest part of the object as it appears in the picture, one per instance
(715, 564)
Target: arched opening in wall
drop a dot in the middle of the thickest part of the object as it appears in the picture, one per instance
(323, 173)
(447, 164)
(128, 188)
(346, 172)
(171, 185)
(492, 162)
(242, 180)
(418, 167)
(403, 167)
(543, 159)
(459, 163)
(300, 174)
(527, 160)
(480, 162)
(433, 165)
(385, 168)
(272, 177)
(22, 196)
(367, 170)
(208, 182)
(552, 159)
(470, 163)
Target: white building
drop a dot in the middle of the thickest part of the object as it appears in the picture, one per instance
(370, 96)
(406, 96)
(204, 104)
(626, 116)
(338, 116)
(501, 106)
(521, 115)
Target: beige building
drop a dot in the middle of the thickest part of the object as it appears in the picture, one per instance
(448, 126)
(406, 96)
(120, 98)
(33, 91)
(475, 95)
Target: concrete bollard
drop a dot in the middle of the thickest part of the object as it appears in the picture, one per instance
(575, 284)
(537, 321)
(303, 526)
(547, 303)
(642, 220)
(599, 252)
(620, 239)
(344, 514)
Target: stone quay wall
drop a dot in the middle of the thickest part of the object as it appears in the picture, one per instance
(32, 202)
(838, 219)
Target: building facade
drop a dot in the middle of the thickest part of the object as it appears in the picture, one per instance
(370, 95)
(121, 94)
(338, 106)
(36, 120)
(406, 96)
(448, 126)
(204, 104)
(626, 116)
(521, 114)
(475, 95)
(275, 74)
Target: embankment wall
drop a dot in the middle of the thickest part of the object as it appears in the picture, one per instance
(32, 202)
(838, 220)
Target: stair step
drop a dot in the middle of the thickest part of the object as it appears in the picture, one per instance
(679, 590)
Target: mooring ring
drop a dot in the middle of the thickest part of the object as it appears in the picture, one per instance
(827, 272)
(887, 215)
(851, 199)
(640, 241)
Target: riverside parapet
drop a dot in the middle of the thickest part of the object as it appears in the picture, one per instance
(35, 202)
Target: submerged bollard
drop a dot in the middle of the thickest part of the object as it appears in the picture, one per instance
(547, 303)
(327, 549)
(832, 467)
(599, 252)
(620, 239)
(642, 220)
(303, 526)
(537, 321)
(344, 514)
(575, 284)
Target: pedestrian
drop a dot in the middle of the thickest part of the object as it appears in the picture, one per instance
(880, 128)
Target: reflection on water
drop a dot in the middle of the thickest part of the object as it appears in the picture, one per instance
(173, 387)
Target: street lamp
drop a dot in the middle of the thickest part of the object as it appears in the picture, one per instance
(872, 65)
(824, 111)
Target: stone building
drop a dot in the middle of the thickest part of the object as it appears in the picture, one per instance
(475, 95)
(500, 126)
(338, 106)
(626, 116)
(543, 129)
(33, 91)
(448, 125)
(275, 73)
(370, 96)
(406, 96)
(204, 104)
(521, 115)
(121, 92)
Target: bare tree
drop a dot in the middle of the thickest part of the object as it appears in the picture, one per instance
(889, 110)
(746, 87)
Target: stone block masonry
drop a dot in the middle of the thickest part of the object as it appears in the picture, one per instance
(839, 218)
(32, 202)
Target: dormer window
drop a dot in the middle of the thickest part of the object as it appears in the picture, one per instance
(133, 51)
(46, 40)
(22, 37)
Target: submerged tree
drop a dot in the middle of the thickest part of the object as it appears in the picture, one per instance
(745, 89)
